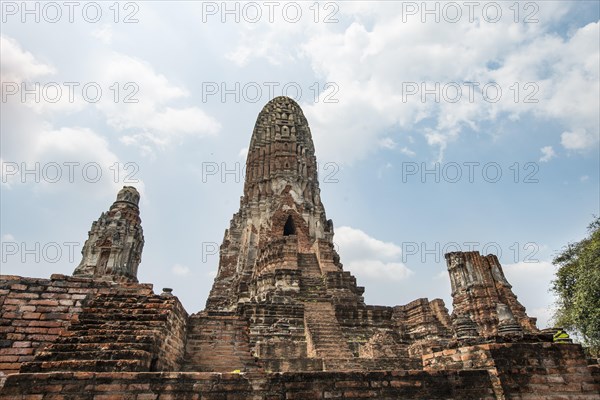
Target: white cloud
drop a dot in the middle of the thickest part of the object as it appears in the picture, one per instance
(67, 155)
(18, 65)
(387, 143)
(547, 153)
(270, 47)
(584, 178)
(189, 120)
(579, 139)
(21, 84)
(438, 139)
(148, 119)
(372, 54)
(379, 270)
(443, 274)
(531, 281)
(135, 100)
(154, 88)
(243, 153)
(356, 244)
(544, 316)
(104, 33)
(368, 257)
(90, 154)
(180, 270)
(408, 152)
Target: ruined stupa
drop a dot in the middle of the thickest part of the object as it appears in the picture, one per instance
(114, 246)
(283, 320)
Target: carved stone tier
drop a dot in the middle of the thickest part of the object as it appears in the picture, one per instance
(113, 250)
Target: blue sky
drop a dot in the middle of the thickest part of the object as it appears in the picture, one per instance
(408, 164)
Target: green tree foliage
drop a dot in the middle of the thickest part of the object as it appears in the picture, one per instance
(577, 286)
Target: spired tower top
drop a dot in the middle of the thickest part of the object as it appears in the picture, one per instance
(281, 119)
(281, 149)
(129, 194)
(113, 250)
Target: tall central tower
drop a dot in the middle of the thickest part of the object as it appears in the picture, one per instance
(281, 281)
(281, 224)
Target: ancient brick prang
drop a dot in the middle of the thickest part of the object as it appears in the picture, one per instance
(481, 292)
(281, 223)
(113, 249)
(278, 269)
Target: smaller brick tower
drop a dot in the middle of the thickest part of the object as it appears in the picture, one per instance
(481, 292)
(113, 249)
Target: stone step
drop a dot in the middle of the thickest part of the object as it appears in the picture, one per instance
(320, 328)
(207, 363)
(239, 355)
(365, 364)
(127, 303)
(308, 264)
(85, 365)
(324, 338)
(327, 337)
(312, 279)
(213, 328)
(324, 345)
(107, 338)
(96, 346)
(111, 332)
(149, 314)
(123, 354)
(311, 287)
(132, 326)
(213, 343)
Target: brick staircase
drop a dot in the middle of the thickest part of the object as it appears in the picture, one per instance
(308, 264)
(324, 331)
(114, 332)
(218, 343)
(312, 289)
(312, 282)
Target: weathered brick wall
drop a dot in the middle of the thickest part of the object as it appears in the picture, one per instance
(35, 312)
(525, 370)
(546, 370)
(256, 386)
(360, 323)
(263, 320)
(172, 347)
(424, 319)
(468, 357)
(217, 343)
